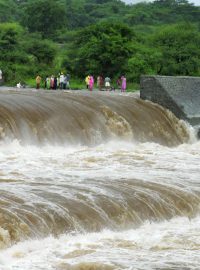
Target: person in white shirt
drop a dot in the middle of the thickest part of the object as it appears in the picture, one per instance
(62, 78)
(19, 85)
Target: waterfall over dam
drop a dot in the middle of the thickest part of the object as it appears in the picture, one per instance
(67, 117)
(99, 181)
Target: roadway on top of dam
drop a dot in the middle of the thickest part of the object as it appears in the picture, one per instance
(7, 89)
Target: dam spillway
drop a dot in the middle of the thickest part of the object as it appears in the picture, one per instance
(96, 181)
(85, 118)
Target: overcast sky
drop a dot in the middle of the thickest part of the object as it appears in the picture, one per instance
(196, 2)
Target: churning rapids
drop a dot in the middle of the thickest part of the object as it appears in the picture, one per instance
(96, 181)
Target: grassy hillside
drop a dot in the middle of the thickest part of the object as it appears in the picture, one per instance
(98, 36)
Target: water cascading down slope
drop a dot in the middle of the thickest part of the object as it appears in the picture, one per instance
(71, 118)
(35, 206)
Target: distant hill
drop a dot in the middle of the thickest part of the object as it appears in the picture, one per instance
(144, 38)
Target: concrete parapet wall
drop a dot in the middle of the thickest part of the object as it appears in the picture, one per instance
(181, 95)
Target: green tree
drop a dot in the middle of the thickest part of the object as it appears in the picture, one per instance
(43, 50)
(162, 12)
(44, 16)
(21, 58)
(8, 10)
(13, 59)
(179, 45)
(144, 61)
(103, 48)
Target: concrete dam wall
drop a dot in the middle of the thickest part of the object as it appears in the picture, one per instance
(181, 95)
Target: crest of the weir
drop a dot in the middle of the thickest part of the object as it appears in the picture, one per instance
(181, 95)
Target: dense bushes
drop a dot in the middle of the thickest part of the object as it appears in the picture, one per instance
(93, 36)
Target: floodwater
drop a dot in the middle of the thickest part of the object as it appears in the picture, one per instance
(96, 181)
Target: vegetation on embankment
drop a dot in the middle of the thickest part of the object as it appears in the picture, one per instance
(95, 37)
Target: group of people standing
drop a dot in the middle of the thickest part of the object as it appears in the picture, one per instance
(89, 80)
(62, 82)
(105, 82)
(54, 82)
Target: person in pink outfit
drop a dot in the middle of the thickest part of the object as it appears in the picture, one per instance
(52, 82)
(91, 82)
(123, 86)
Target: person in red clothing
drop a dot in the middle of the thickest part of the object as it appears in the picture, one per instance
(100, 82)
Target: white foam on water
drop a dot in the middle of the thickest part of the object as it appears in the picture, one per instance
(173, 243)
(170, 244)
